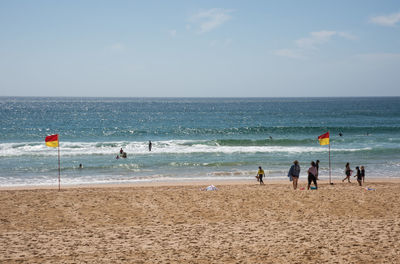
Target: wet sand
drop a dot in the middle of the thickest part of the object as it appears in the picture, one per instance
(242, 222)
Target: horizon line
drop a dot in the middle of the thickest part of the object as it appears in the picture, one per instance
(197, 97)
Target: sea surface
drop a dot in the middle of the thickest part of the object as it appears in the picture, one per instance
(193, 138)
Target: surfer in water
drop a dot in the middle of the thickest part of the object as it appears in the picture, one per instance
(150, 145)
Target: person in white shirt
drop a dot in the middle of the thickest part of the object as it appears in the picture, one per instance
(312, 173)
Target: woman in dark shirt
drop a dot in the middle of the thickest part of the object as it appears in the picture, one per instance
(359, 178)
(294, 172)
(362, 173)
(312, 172)
(348, 172)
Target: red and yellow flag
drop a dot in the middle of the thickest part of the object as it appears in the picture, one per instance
(52, 141)
(324, 139)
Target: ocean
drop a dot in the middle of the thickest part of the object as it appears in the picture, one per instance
(193, 138)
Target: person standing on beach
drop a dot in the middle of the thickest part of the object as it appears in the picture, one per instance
(317, 166)
(348, 172)
(359, 177)
(312, 171)
(294, 172)
(362, 174)
(260, 175)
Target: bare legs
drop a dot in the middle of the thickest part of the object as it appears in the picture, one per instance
(359, 182)
(348, 178)
(295, 179)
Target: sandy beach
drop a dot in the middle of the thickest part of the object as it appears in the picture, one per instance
(242, 222)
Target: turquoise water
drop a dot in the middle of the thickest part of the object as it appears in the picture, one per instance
(193, 138)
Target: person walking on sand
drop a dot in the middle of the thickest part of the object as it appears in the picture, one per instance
(362, 174)
(294, 172)
(348, 172)
(359, 177)
(260, 175)
(312, 171)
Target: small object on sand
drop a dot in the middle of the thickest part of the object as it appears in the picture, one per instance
(302, 188)
(369, 189)
(210, 188)
(313, 188)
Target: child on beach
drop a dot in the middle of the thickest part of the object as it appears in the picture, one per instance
(260, 175)
(359, 177)
(362, 173)
(312, 171)
(348, 172)
(294, 172)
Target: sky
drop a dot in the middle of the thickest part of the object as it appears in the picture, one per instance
(200, 48)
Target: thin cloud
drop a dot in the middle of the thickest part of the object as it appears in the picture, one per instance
(220, 43)
(315, 38)
(386, 20)
(347, 35)
(172, 33)
(227, 42)
(117, 47)
(379, 56)
(290, 53)
(211, 19)
(312, 42)
(320, 37)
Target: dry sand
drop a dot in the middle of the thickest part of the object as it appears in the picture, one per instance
(239, 223)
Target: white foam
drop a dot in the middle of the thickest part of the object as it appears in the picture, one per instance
(141, 148)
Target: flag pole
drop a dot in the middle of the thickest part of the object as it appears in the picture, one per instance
(330, 182)
(59, 168)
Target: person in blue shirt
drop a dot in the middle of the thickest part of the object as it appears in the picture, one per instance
(294, 173)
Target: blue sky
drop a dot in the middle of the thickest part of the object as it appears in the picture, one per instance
(200, 48)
